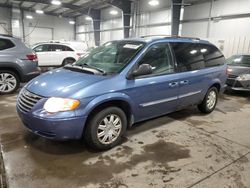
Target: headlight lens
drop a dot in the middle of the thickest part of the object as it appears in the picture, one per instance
(243, 77)
(53, 104)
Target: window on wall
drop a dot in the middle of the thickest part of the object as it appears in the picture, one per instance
(160, 59)
(188, 56)
(6, 44)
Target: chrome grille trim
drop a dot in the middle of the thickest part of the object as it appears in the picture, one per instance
(27, 100)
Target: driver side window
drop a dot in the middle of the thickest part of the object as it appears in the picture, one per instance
(159, 58)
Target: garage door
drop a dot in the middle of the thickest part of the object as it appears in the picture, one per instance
(40, 35)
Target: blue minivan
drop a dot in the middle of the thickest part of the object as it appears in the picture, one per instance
(121, 83)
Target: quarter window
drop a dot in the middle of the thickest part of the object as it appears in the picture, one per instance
(160, 58)
(212, 56)
(6, 44)
(189, 56)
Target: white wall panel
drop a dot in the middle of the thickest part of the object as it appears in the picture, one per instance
(194, 29)
(196, 11)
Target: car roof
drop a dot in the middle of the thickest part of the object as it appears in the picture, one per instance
(151, 39)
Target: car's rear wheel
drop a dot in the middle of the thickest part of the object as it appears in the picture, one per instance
(105, 128)
(210, 101)
(68, 61)
(9, 82)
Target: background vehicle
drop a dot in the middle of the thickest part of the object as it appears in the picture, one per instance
(239, 72)
(18, 64)
(120, 83)
(59, 53)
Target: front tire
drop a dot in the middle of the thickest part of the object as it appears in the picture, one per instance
(9, 82)
(209, 102)
(105, 128)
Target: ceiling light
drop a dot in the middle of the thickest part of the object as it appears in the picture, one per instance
(72, 22)
(39, 11)
(56, 2)
(88, 18)
(29, 17)
(153, 2)
(113, 12)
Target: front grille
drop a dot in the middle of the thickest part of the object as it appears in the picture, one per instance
(27, 100)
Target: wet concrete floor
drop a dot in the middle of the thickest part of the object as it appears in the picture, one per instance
(182, 149)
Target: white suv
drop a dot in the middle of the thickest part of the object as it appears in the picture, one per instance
(59, 53)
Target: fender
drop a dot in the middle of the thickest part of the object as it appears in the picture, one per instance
(106, 98)
(13, 66)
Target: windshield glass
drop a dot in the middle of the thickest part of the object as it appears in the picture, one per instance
(111, 57)
(239, 60)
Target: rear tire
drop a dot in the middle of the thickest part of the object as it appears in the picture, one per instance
(9, 82)
(68, 61)
(104, 130)
(209, 102)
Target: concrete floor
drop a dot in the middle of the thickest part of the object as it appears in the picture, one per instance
(182, 149)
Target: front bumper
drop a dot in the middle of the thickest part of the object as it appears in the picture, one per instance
(57, 129)
(234, 84)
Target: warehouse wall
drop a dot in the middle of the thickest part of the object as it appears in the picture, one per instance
(41, 27)
(228, 28)
(5, 20)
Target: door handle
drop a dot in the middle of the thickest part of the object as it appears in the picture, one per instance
(173, 84)
(184, 82)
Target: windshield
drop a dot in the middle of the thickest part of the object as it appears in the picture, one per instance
(111, 57)
(239, 60)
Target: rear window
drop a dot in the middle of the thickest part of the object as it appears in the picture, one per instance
(6, 44)
(188, 56)
(191, 56)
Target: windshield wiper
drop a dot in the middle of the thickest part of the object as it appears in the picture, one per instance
(92, 67)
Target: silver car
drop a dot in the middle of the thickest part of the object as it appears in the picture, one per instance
(239, 72)
(18, 63)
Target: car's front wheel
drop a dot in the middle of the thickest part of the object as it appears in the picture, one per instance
(209, 102)
(9, 82)
(105, 128)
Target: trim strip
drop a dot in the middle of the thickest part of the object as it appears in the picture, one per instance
(158, 101)
(169, 99)
(189, 94)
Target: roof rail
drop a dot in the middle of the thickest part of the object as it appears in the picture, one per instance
(6, 35)
(170, 36)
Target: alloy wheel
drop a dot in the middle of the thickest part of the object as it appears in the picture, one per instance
(8, 82)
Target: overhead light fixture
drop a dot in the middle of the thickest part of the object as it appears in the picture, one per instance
(88, 18)
(39, 11)
(113, 12)
(72, 22)
(29, 17)
(153, 2)
(56, 2)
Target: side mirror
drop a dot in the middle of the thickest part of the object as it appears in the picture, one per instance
(143, 69)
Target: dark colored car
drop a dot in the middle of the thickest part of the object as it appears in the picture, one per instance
(121, 83)
(239, 72)
(18, 63)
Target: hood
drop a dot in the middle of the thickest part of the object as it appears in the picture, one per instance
(61, 83)
(238, 70)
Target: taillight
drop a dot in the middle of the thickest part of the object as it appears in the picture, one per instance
(32, 57)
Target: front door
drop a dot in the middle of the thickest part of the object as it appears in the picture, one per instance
(157, 93)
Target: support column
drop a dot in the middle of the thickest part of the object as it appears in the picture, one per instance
(176, 11)
(125, 6)
(96, 16)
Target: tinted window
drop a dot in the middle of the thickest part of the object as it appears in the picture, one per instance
(213, 57)
(6, 44)
(160, 59)
(56, 48)
(42, 48)
(188, 56)
(66, 48)
(239, 60)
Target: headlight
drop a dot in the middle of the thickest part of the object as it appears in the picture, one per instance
(53, 105)
(243, 77)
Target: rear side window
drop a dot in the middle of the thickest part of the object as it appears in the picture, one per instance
(6, 44)
(212, 56)
(56, 48)
(42, 48)
(66, 48)
(188, 56)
